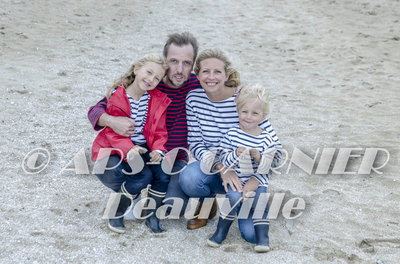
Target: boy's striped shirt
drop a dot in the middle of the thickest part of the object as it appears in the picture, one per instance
(247, 167)
(209, 121)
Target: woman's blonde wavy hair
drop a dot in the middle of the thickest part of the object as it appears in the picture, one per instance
(129, 77)
(255, 91)
(232, 73)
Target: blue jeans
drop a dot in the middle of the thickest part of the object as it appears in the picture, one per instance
(114, 178)
(174, 189)
(246, 225)
(195, 183)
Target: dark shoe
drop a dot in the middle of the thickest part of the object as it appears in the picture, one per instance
(196, 223)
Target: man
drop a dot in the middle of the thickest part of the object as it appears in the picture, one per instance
(180, 52)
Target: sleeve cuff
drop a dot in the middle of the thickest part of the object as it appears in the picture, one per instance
(161, 152)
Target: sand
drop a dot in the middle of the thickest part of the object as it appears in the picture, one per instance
(332, 68)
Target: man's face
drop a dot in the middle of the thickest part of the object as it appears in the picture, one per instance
(180, 65)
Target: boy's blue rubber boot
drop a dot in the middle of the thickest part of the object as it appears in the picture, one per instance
(262, 244)
(221, 232)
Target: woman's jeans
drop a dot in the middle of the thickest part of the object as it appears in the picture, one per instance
(195, 183)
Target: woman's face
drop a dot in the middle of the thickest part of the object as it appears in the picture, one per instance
(212, 75)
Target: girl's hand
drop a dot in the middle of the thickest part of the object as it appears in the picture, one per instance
(229, 177)
(155, 156)
(136, 150)
(250, 186)
(256, 155)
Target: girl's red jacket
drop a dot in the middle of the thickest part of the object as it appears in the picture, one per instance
(155, 129)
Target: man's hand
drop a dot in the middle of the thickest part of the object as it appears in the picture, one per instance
(229, 177)
(121, 125)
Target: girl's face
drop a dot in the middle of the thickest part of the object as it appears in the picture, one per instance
(148, 76)
(251, 114)
(212, 75)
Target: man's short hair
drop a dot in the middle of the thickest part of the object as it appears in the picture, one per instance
(180, 40)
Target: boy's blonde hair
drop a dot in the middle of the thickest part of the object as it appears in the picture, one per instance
(129, 77)
(255, 91)
(234, 77)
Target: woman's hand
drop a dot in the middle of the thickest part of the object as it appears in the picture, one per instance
(238, 89)
(250, 186)
(155, 156)
(229, 177)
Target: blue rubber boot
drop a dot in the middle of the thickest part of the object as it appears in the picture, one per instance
(221, 232)
(261, 228)
(117, 224)
(152, 221)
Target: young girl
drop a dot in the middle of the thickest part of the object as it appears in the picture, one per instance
(133, 95)
(247, 139)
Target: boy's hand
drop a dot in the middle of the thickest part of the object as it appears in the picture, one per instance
(255, 154)
(240, 150)
(155, 156)
(250, 187)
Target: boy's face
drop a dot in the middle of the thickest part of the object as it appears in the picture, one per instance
(180, 65)
(251, 114)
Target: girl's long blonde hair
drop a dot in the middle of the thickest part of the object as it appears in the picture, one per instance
(232, 73)
(129, 77)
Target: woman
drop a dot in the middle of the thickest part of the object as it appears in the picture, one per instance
(211, 111)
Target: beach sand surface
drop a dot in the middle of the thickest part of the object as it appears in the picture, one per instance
(332, 68)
